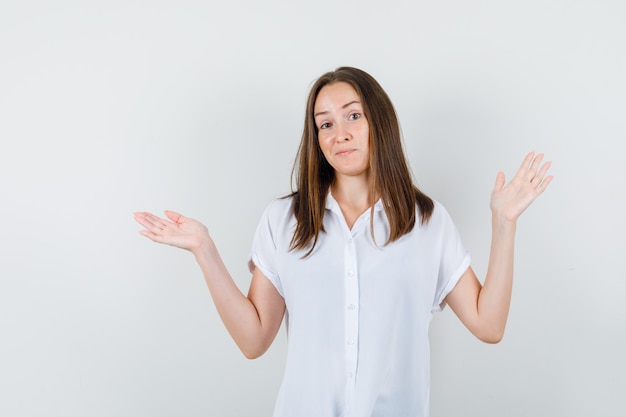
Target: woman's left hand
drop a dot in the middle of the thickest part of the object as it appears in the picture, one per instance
(509, 201)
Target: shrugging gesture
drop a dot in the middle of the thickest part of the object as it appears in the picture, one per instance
(355, 312)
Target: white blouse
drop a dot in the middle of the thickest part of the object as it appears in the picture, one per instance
(358, 311)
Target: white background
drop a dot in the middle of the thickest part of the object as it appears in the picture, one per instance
(110, 107)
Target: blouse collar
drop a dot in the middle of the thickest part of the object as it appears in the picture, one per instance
(333, 205)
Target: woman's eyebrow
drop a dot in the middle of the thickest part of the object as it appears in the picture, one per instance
(351, 103)
(343, 107)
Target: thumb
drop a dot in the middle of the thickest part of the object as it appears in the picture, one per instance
(175, 217)
(499, 181)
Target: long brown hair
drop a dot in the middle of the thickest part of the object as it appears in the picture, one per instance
(391, 178)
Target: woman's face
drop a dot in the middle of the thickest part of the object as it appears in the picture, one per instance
(343, 131)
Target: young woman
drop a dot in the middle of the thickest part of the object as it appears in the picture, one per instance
(357, 259)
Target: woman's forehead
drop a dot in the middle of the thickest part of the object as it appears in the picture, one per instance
(337, 94)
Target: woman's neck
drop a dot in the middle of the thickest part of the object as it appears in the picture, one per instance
(353, 196)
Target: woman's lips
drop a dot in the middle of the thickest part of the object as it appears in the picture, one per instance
(345, 152)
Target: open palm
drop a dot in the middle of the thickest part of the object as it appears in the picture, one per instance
(509, 201)
(176, 230)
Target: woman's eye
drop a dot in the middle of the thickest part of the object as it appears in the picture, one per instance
(324, 125)
(355, 116)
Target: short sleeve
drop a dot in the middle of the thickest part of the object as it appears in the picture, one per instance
(264, 254)
(454, 258)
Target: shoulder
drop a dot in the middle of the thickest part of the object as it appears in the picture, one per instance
(280, 207)
(279, 212)
(276, 225)
(439, 218)
(440, 210)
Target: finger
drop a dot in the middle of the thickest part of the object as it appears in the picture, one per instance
(140, 217)
(150, 221)
(500, 180)
(144, 214)
(140, 214)
(152, 236)
(156, 220)
(173, 216)
(523, 169)
(532, 170)
(544, 184)
(545, 168)
(538, 178)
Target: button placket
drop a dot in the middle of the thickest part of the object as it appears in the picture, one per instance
(352, 314)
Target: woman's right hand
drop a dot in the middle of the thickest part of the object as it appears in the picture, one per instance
(177, 230)
(252, 321)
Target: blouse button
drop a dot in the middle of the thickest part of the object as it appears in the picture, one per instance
(351, 307)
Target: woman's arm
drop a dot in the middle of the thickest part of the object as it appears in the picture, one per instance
(252, 321)
(484, 309)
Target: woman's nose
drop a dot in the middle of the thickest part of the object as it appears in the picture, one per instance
(342, 132)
